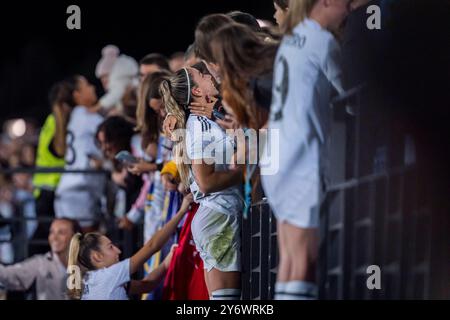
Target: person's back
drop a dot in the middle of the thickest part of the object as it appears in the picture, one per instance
(305, 69)
(45, 157)
(107, 283)
(80, 146)
(78, 194)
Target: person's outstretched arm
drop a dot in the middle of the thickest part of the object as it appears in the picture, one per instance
(151, 281)
(20, 276)
(160, 238)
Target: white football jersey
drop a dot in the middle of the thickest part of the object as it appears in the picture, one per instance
(205, 139)
(80, 145)
(307, 67)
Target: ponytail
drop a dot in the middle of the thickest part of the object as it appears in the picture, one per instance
(79, 260)
(74, 291)
(175, 109)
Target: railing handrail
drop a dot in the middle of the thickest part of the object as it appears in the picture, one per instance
(50, 219)
(346, 95)
(39, 219)
(49, 170)
(370, 178)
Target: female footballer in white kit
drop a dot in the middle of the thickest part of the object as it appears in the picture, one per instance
(306, 72)
(216, 225)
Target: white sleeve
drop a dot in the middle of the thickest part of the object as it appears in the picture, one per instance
(198, 139)
(21, 276)
(332, 64)
(91, 147)
(119, 273)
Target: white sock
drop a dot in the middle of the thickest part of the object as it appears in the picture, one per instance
(280, 288)
(299, 290)
(226, 294)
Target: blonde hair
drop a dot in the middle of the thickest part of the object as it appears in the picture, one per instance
(74, 249)
(176, 98)
(299, 10)
(79, 255)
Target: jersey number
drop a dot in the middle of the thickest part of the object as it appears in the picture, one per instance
(71, 153)
(281, 85)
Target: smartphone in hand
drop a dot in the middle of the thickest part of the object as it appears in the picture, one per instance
(126, 158)
(92, 156)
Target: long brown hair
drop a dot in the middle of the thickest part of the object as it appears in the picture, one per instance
(242, 55)
(206, 27)
(148, 121)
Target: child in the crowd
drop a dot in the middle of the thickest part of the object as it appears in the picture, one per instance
(104, 277)
(118, 74)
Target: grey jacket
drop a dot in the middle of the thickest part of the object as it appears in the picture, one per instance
(46, 269)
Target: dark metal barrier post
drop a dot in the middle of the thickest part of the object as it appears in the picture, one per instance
(376, 212)
(259, 253)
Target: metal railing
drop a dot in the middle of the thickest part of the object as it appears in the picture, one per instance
(377, 210)
(259, 253)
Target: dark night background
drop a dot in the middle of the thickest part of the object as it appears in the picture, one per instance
(38, 49)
